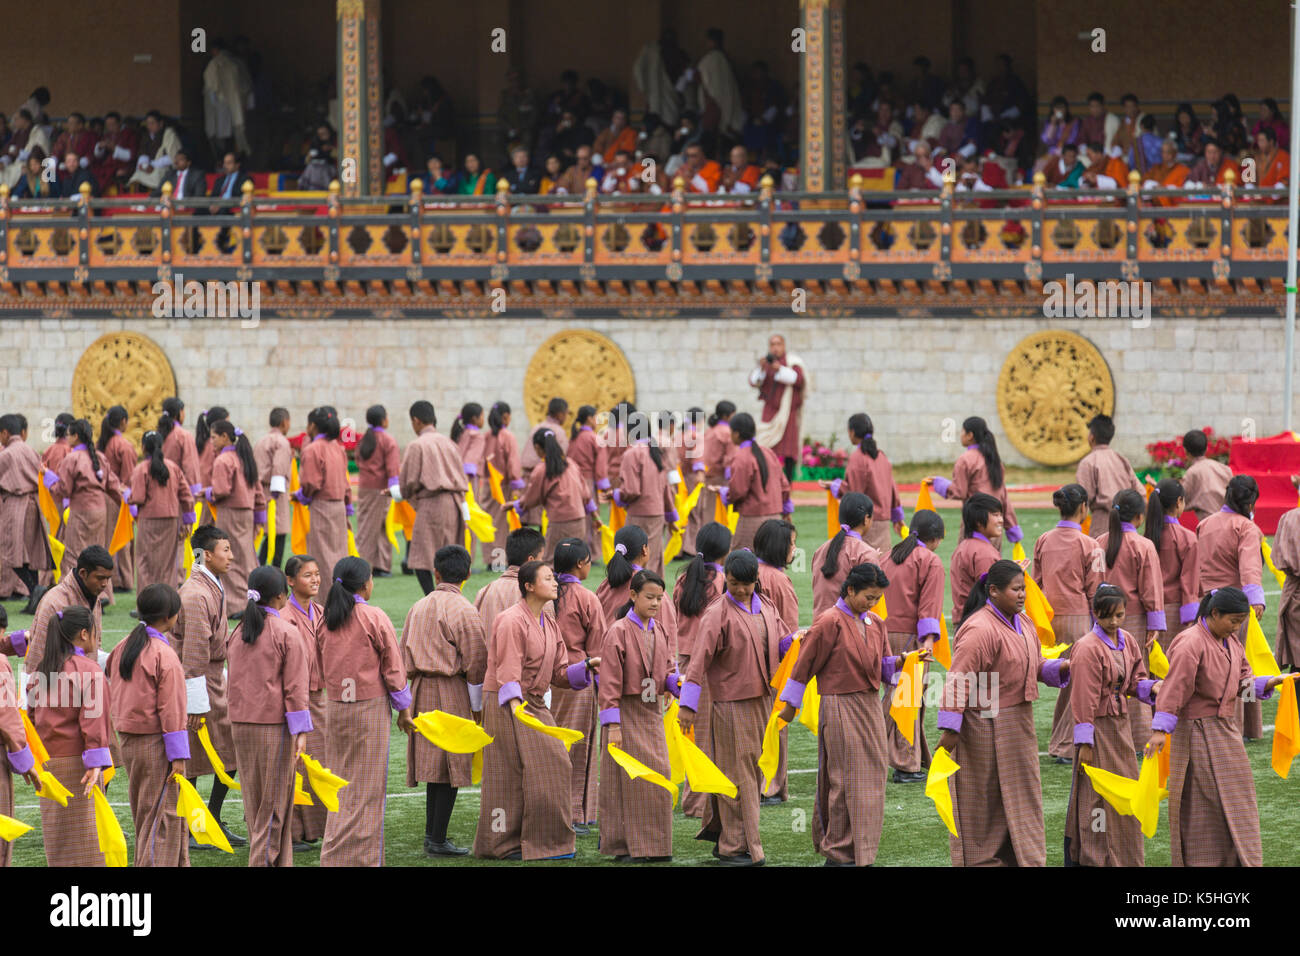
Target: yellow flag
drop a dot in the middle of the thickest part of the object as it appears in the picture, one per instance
(494, 484)
(270, 525)
(703, 773)
(476, 768)
(564, 735)
(11, 829)
(391, 526)
(606, 542)
(1260, 657)
(942, 647)
(942, 766)
(45, 502)
(294, 483)
(123, 531)
(1286, 731)
(406, 514)
(39, 752)
(301, 798)
(1114, 788)
(545, 521)
(1055, 651)
(51, 789)
(514, 522)
(1040, 612)
(219, 768)
(673, 730)
(770, 758)
(324, 783)
(674, 545)
(617, 517)
(1268, 562)
(299, 525)
(191, 809)
(107, 776)
(456, 735)
(352, 545)
(1146, 801)
(1017, 552)
(905, 703)
(923, 500)
(187, 553)
(812, 703)
(637, 770)
(880, 610)
(112, 841)
(685, 503)
(786, 666)
(832, 515)
(1159, 662)
(733, 519)
(57, 548)
(480, 522)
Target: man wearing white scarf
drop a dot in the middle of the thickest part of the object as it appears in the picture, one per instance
(782, 383)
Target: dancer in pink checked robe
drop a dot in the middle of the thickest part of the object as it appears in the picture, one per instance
(378, 463)
(325, 490)
(869, 472)
(274, 457)
(433, 480)
(1104, 473)
(163, 508)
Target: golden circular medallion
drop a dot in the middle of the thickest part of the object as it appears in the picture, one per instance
(123, 368)
(1051, 386)
(580, 366)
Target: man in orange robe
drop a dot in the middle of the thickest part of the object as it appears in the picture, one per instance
(1168, 173)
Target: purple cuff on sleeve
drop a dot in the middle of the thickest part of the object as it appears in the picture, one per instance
(592, 507)
(835, 487)
(1014, 534)
(698, 466)
(126, 493)
(925, 626)
(518, 483)
(509, 692)
(1164, 722)
(1052, 674)
(1187, 613)
(787, 507)
(691, 696)
(51, 478)
(96, 757)
(1262, 691)
(579, 675)
(723, 495)
(673, 684)
(896, 514)
(135, 510)
(950, 720)
(471, 469)
(400, 699)
(785, 643)
(394, 482)
(671, 516)
(350, 510)
(177, 745)
(259, 517)
(618, 498)
(197, 490)
(299, 721)
(792, 693)
(609, 715)
(1254, 593)
(18, 639)
(941, 486)
(890, 666)
(299, 497)
(1083, 733)
(189, 518)
(1145, 688)
(1156, 621)
(22, 761)
(603, 484)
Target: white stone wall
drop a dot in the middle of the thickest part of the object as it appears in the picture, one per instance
(909, 374)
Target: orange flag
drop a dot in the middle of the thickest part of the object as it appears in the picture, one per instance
(406, 515)
(1286, 731)
(832, 515)
(720, 512)
(617, 517)
(923, 500)
(1040, 612)
(942, 648)
(123, 531)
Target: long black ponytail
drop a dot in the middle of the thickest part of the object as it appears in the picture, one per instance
(265, 583)
(551, 452)
(927, 527)
(988, 447)
(203, 428)
(114, 419)
(350, 576)
(247, 463)
(154, 604)
(860, 425)
(496, 417)
(58, 640)
(152, 444)
(711, 546)
(1126, 506)
(722, 412)
(468, 412)
(171, 413)
(1161, 501)
(855, 508)
(375, 416)
(585, 414)
(619, 570)
(82, 435)
(743, 425)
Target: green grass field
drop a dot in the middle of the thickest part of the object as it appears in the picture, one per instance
(913, 834)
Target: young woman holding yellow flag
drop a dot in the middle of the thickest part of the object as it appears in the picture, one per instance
(556, 485)
(163, 508)
(636, 815)
(87, 482)
(307, 616)
(1228, 556)
(67, 698)
(1106, 670)
(774, 546)
(833, 560)
(237, 495)
(1179, 552)
(1213, 814)
(524, 804)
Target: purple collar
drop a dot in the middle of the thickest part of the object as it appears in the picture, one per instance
(471, 428)
(308, 612)
(643, 441)
(976, 534)
(230, 447)
(724, 424)
(377, 428)
(921, 544)
(850, 532)
(637, 567)
(79, 651)
(586, 428)
(969, 447)
(82, 447)
(1170, 519)
(154, 632)
(1127, 528)
(1224, 510)
(568, 578)
(842, 605)
(1119, 636)
(1014, 625)
(117, 431)
(358, 599)
(643, 625)
(269, 610)
(715, 566)
(746, 443)
(754, 606)
(319, 437)
(1070, 524)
